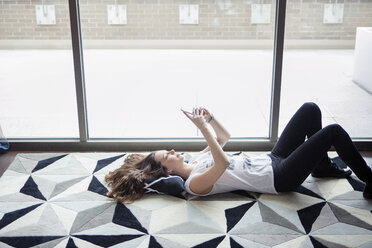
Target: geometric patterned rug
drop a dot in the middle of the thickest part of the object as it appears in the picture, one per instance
(58, 200)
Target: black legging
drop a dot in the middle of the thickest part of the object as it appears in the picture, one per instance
(295, 158)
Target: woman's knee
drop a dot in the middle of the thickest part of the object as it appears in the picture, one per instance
(337, 134)
(334, 127)
(311, 107)
(334, 130)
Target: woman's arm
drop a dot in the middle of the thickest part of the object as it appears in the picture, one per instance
(203, 183)
(222, 135)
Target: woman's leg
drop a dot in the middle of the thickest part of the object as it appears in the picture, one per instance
(296, 167)
(304, 123)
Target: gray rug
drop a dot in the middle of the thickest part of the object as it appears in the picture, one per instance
(57, 200)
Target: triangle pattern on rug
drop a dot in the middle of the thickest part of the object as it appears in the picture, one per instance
(104, 162)
(345, 217)
(106, 241)
(12, 216)
(341, 229)
(59, 200)
(144, 216)
(325, 218)
(124, 217)
(31, 188)
(270, 240)
(185, 240)
(234, 244)
(90, 211)
(188, 227)
(169, 243)
(251, 219)
(107, 230)
(316, 243)
(211, 243)
(327, 243)
(290, 217)
(99, 220)
(199, 218)
(44, 163)
(302, 190)
(297, 242)
(234, 215)
(13, 185)
(215, 211)
(71, 243)
(97, 187)
(79, 192)
(193, 221)
(154, 243)
(345, 240)
(238, 242)
(27, 241)
(43, 220)
(309, 215)
(55, 243)
(28, 164)
(67, 165)
(270, 216)
(17, 166)
(53, 185)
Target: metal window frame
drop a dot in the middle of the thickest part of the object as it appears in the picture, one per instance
(277, 68)
(77, 50)
(148, 144)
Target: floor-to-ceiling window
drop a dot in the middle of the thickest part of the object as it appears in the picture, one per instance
(37, 88)
(321, 62)
(145, 60)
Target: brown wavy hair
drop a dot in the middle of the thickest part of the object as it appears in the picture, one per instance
(127, 182)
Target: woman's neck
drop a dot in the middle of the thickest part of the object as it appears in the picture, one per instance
(184, 171)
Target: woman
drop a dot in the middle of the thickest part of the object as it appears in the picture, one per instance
(212, 171)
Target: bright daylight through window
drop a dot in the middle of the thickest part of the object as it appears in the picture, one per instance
(37, 85)
(145, 60)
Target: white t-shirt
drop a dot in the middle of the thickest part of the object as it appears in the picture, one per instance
(251, 173)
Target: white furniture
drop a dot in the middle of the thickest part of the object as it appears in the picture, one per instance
(363, 58)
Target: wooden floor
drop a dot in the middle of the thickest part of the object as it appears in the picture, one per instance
(7, 158)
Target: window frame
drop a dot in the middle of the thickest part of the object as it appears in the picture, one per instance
(84, 143)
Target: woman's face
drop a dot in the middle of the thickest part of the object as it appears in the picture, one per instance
(169, 159)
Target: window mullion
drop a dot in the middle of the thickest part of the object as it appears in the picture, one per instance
(277, 69)
(79, 69)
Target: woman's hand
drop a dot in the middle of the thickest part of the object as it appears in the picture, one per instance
(197, 117)
(208, 117)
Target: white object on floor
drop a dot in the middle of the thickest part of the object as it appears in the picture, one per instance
(1, 134)
(363, 58)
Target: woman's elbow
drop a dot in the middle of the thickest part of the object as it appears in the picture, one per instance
(228, 136)
(226, 163)
(223, 141)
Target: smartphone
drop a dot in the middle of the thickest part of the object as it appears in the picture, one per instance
(187, 112)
